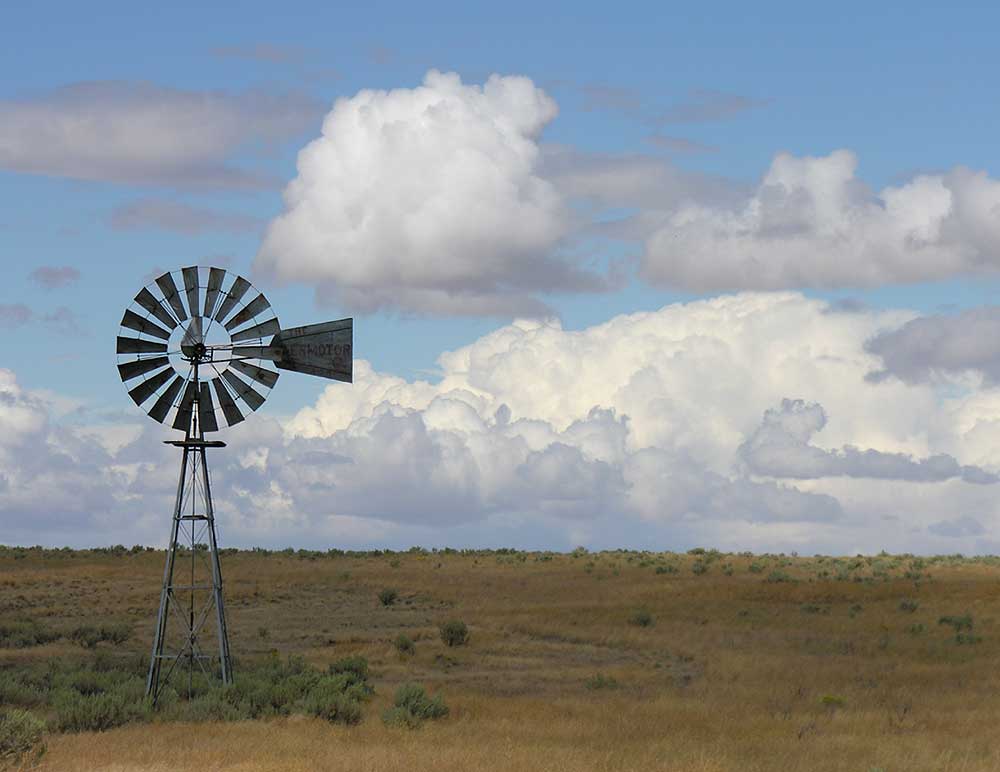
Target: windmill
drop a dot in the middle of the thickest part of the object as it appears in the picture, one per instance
(190, 357)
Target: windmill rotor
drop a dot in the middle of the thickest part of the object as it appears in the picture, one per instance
(192, 320)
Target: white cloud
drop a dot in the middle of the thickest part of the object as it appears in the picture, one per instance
(781, 447)
(167, 215)
(429, 200)
(812, 223)
(633, 432)
(639, 423)
(145, 134)
(941, 347)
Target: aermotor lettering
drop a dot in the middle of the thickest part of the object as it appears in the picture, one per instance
(322, 351)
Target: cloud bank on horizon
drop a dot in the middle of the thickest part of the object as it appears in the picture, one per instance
(677, 427)
(761, 419)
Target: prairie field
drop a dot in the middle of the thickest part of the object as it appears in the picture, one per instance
(582, 661)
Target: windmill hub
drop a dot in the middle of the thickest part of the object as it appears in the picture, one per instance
(217, 335)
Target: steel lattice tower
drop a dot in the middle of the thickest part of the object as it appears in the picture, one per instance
(218, 337)
(193, 597)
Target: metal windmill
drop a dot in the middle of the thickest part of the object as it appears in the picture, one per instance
(218, 336)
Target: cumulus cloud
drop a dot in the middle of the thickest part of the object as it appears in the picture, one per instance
(812, 223)
(146, 134)
(633, 432)
(940, 346)
(429, 200)
(54, 277)
(52, 480)
(781, 447)
(163, 214)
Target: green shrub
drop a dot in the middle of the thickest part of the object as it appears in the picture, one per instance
(601, 681)
(332, 700)
(86, 635)
(699, 567)
(778, 577)
(832, 701)
(25, 633)
(756, 568)
(641, 618)
(908, 605)
(356, 668)
(20, 735)
(667, 569)
(412, 706)
(388, 596)
(404, 645)
(207, 707)
(13, 691)
(401, 718)
(958, 623)
(454, 633)
(90, 635)
(77, 712)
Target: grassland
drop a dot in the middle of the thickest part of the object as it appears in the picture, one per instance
(608, 661)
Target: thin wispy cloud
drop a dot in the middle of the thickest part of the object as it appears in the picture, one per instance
(705, 105)
(54, 277)
(178, 217)
(14, 315)
(262, 52)
(150, 135)
(680, 145)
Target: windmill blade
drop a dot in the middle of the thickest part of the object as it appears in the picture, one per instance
(130, 370)
(237, 291)
(243, 390)
(139, 346)
(254, 307)
(145, 390)
(206, 409)
(215, 277)
(133, 321)
(166, 400)
(191, 288)
(147, 300)
(259, 374)
(228, 404)
(183, 418)
(171, 295)
(270, 327)
(318, 349)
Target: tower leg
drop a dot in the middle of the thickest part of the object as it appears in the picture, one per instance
(220, 605)
(166, 593)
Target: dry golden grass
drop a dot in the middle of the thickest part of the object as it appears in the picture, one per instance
(735, 673)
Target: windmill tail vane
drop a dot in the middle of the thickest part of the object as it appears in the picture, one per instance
(177, 348)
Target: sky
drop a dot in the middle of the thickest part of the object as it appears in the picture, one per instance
(651, 277)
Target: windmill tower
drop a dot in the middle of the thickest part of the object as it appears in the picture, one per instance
(218, 336)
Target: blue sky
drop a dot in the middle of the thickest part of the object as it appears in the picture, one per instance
(905, 85)
(713, 92)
